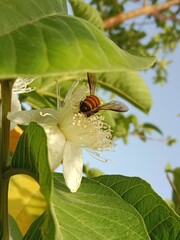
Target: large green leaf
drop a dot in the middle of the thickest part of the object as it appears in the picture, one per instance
(38, 41)
(32, 157)
(128, 85)
(94, 212)
(161, 221)
(19, 13)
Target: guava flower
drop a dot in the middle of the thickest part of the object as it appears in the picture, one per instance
(20, 86)
(68, 132)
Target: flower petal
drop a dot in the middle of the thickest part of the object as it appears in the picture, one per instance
(56, 143)
(15, 103)
(72, 166)
(43, 116)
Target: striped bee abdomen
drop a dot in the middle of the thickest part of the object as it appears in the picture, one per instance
(89, 103)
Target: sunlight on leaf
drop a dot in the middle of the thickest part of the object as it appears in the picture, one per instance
(56, 44)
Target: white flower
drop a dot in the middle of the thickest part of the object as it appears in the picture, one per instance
(20, 86)
(68, 131)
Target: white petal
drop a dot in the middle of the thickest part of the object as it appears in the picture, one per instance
(72, 166)
(15, 104)
(43, 116)
(56, 144)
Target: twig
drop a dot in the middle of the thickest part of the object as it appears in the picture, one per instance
(145, 10)
(162, 17)
(173, 187)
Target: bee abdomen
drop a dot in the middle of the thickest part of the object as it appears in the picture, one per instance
(89, 103)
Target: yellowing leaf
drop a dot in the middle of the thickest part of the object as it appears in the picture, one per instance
(25, 201)
(14, 138)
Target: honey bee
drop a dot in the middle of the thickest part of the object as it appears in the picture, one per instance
(91, 104)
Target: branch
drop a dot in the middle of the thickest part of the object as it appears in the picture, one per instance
(145, 10)
(162, 17)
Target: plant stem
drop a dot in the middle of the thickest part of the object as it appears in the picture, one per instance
(4, 209)
(6, 89)
(173, 187)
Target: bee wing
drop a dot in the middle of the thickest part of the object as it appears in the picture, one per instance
(92, 82)
(114, 106)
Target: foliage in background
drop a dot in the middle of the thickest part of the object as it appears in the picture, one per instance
(127, 24)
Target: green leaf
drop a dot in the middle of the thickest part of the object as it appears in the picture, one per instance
(171, 141)
(122, 127)
(161, 221)
(19, 13)
(134, 120)
(130, 86)
(91, 172)
(150, 126)
(29, 152)
(94, 212)
(45, 93)
(51, 43)
(37, 101)
(170, 203)
(15, 233)
(87, 12)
